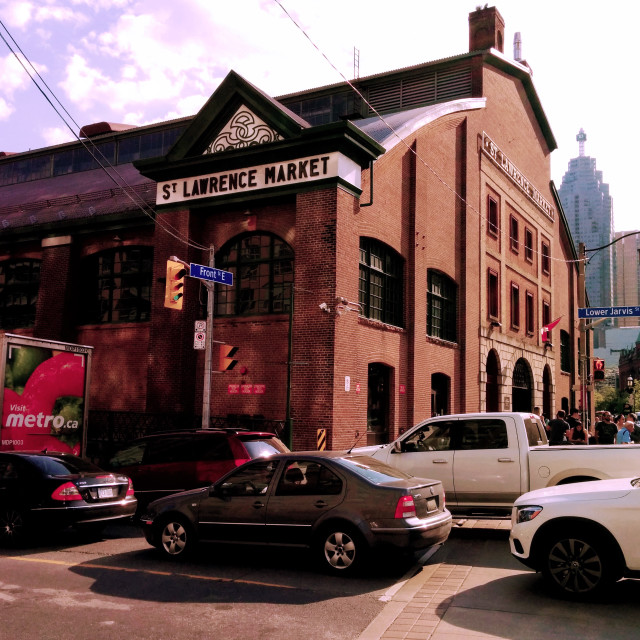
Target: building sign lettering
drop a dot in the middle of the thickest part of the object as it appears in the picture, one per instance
(266, 176)
(492, 150)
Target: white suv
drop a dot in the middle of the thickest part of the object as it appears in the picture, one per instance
(582, 537)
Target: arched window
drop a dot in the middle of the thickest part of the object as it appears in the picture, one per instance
(19, 285)
(262, 267)
(441, 306)
(117, 286)
(381, 284)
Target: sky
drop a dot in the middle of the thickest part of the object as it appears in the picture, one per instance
(144, 61)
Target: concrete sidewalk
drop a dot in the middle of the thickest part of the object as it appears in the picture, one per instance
(417, 609)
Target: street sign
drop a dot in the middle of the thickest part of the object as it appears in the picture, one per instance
(212, 274)
(608, 312)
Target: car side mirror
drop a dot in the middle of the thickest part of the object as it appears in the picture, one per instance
(396, 447)
(220, 490)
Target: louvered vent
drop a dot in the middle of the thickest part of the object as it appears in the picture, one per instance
(437, 86)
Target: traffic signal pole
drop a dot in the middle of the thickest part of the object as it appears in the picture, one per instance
(208, 348)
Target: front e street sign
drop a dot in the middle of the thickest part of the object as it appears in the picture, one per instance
(608, 312)
(212, 274)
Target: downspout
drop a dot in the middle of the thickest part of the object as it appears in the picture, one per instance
(368, 204)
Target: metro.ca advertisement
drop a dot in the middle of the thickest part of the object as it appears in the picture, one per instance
(43, 401)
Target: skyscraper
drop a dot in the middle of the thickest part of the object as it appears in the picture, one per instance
(589, 211)
(626, 274)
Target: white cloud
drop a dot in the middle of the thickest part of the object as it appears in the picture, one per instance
(5, 109)
(57, 135)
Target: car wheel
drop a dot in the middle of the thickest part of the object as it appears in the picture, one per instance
(13, 526)
(175, 537)
(578, 564)
(341, 549)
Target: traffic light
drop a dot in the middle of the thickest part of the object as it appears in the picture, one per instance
(174, 288)
(598, 369)
(226, 361)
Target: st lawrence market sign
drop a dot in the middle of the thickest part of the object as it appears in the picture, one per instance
(494, 152)
(264, 176)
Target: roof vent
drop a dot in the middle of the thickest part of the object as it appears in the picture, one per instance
(100, 128)
(517, 47)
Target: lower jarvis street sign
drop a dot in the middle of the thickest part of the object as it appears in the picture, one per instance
(608, 312)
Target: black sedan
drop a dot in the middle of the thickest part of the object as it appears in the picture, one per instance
(340, 505)
(40, 491)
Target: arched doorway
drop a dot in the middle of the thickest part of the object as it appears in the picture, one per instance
(378, 403)
(522, 389)
(547, 409)
(492, 388)
(440, 394)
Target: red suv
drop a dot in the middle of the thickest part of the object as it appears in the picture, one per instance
(170, 462)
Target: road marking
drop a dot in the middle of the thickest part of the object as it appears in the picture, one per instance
(153, 572)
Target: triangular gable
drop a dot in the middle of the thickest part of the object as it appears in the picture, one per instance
(244, 129)
(236, 104)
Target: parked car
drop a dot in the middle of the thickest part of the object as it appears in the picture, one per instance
(41, 491)
(340, 505)
(582, 537)
(170, 462)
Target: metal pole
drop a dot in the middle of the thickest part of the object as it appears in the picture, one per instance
(208, 349)
(582, 355)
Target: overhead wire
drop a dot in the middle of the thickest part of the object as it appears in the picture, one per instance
(92, 148)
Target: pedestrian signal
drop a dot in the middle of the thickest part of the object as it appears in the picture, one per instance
(226, 361)
(598, 369)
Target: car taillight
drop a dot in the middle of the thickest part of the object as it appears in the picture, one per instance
(66, 492)
(130, 488)
(406, 507)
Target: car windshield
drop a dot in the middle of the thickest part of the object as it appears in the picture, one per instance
(62, 466)
(373, 470)
(260, 447)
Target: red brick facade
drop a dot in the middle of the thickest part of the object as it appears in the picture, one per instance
(430, 205)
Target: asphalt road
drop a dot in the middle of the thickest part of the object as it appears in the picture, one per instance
(119, 588)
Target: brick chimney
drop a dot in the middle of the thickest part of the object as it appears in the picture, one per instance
(486, 30)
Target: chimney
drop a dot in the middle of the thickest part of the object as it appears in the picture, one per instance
(486, 29)
(517, 47)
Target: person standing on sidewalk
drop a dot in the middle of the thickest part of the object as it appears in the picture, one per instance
(558, 428)
(606, 431)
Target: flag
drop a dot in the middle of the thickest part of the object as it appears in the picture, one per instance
(547, 327)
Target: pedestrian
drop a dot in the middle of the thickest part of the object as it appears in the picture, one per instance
(625, 427)
(606, 431)
(573, 418)
(578, 435)
(635, 433)
(558, 428)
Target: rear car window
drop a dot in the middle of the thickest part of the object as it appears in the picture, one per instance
(54, 466)
(536, 433)
(372, 470)
(258, 447)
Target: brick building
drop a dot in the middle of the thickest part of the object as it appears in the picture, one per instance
(395, 250)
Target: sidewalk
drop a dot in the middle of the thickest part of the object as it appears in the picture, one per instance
(417, 609)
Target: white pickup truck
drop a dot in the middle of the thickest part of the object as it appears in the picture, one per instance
(486, 460)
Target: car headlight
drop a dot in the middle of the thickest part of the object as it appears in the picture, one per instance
(526, 514)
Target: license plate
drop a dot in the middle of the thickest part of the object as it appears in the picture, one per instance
(432, 504)
(105, 492)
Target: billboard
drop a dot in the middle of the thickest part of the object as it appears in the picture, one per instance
(44, 396)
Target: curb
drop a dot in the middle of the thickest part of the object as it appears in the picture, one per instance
(398, 602)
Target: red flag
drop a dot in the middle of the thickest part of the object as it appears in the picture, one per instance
(547, 327)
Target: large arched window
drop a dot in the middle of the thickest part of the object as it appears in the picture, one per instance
(441, 306)
(19, 284)
(117, 286)
(262, 267)
(381, 283)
